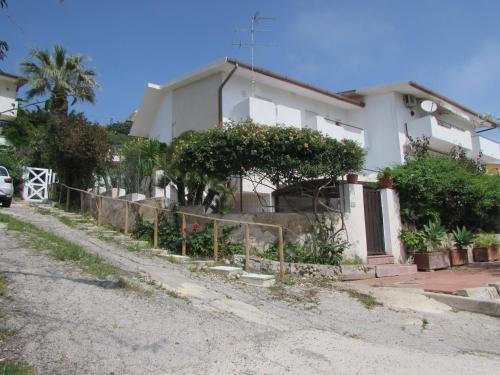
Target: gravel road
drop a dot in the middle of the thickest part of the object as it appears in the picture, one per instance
(62, 321)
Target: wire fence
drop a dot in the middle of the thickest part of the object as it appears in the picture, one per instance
(97, 202)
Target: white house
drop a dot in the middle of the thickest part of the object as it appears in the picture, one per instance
(380, 119)
(8, 103)
(393, 112)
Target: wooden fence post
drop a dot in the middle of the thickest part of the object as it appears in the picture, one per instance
(67, 199)
(216, 240)
(125, 229)
(82, 209)
(155, 233)
(247, 247)
(184, 230)
(60, 192)
(99, 210)
(281, 252)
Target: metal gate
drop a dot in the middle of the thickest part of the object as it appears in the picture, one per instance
(373, 222)
(36, 183)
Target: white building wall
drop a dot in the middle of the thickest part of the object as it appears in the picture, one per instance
(162, 124)
(392, 224)
(290, 109)
(8, 99)
(195, 106)
(354, 209)
(380, 120)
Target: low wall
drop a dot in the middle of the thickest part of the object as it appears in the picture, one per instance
(296, 227)
(342, 272)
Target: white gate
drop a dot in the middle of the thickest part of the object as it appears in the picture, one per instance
(36, 184)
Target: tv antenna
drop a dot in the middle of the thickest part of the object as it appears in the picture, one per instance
(255, 21)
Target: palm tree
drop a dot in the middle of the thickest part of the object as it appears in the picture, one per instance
(59, 75)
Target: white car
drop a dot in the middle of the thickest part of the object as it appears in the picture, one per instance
(6, 187)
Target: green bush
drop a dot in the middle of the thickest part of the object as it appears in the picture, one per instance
(452, 191)
(412, 240)
(296, 253)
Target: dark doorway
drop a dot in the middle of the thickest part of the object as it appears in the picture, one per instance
(373, 222)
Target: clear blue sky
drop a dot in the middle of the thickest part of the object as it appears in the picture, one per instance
(451, 46)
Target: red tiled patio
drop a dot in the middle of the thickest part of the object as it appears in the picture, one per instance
(447, 281)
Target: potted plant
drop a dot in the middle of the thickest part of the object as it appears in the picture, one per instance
(486, 248)
(352, 178)
(432, 256)
(412, 240)
(462, 239)
(385, 178)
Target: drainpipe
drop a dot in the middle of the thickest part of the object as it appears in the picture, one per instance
(220, 91)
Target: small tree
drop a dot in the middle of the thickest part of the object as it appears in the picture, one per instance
(76, 149)
(439, 188)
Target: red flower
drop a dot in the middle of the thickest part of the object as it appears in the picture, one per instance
(184, 230)
(196, 226)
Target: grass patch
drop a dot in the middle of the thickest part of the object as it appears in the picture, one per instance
(366, 300)
(66, 221)
(61, 249)
(3, 286)
(425, 323)
(14, 368)
(305, 296)
(43, 211)
(174, 260)
(351, 261)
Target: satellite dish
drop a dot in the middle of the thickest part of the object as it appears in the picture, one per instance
(428, 106)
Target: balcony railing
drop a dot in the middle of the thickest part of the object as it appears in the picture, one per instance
(442, 135)
(339, 130)
(489, 149)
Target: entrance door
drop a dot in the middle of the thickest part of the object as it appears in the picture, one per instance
(373, 222)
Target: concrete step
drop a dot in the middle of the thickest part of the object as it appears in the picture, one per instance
(375, 260)
(180, 258)
(487, 293)
(389, 270)
(496, 285)
(257, 279)
(227, 270)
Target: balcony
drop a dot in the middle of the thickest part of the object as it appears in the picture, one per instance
(489, 149)
(259, 110)
(338, 130)
(442, 135)
(8, 108)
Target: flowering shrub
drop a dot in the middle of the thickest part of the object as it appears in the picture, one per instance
(199, 239)
(284, 155)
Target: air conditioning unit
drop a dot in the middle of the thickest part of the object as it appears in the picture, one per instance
(410, 100)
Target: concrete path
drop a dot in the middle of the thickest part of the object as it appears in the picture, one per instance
(66, 322)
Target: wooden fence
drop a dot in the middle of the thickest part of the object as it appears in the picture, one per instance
(215, 222)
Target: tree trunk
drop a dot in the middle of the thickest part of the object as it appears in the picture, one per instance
(59, 101)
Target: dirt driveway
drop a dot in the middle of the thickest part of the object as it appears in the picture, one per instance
(60, 320)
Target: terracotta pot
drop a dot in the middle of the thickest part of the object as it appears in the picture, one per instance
(458, 257)
(432, 261)
(352, 178)
(386, 183)
(485, 254)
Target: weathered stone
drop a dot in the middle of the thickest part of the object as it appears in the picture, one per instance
(258, 279)
(496, 285)
(389, 270)
(226, 270)
(488, 293)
